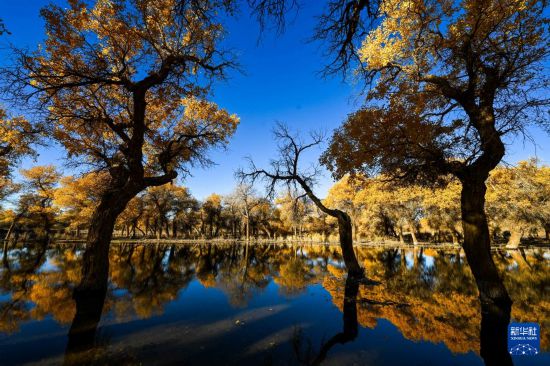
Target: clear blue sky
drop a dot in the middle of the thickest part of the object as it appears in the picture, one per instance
(280, 83)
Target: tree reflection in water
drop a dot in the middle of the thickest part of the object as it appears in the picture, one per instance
(349, 331)
(493, 336)
(82, 334)
(428, 295)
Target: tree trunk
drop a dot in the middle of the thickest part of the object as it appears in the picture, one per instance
(400, 232)
(174, 229)
(11, 228)
(95, 261)
(346, 243)
(247, 228)
(477, 244)
(266, 231)
(515, 239)
(159, 229)
(413, 233)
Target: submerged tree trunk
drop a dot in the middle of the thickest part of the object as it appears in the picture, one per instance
(82, 334)
(95, 261)
(477, 244)
(346, 243)
(494, 335)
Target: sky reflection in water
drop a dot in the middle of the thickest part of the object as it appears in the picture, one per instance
(263, 305)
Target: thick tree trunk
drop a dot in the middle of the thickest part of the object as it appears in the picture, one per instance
(477, 244)
(346, 243)
(95, 261)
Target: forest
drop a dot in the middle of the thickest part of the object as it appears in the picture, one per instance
(60, 208)
(109, 107)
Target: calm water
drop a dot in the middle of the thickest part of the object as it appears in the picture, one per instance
(263, 305)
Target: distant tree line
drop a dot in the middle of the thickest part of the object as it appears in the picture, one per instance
(518, 208)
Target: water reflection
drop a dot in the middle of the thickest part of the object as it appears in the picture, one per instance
(263, 304)
(350, 326)
(82, 334)
(493, 336)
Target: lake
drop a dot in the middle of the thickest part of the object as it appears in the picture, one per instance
(260, 304)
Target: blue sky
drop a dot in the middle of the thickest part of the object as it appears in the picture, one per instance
(280, 82)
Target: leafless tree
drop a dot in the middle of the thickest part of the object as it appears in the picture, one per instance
(245, 199)
(285, 170)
